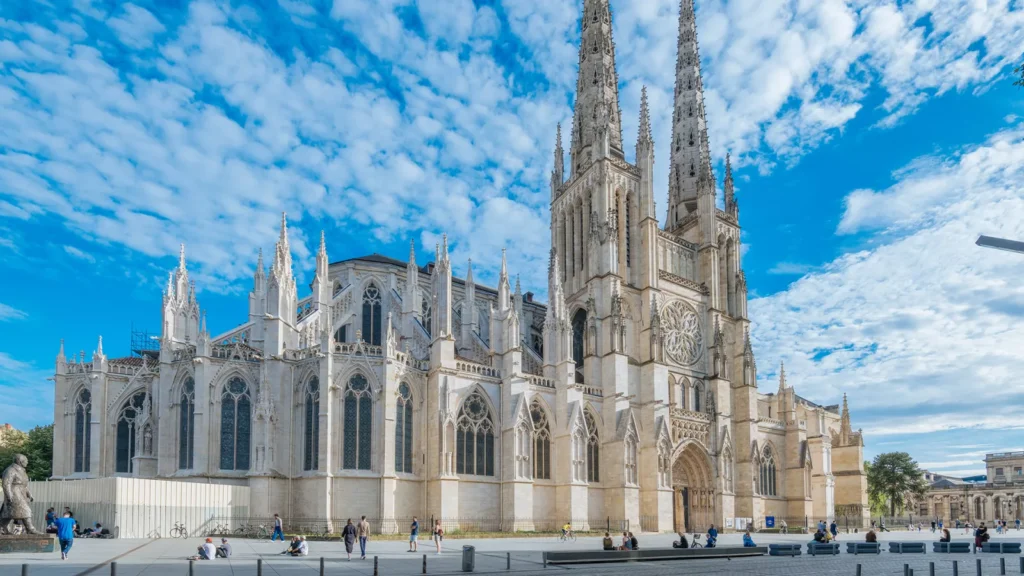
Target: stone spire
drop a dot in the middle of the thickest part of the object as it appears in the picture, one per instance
(690, 149)
(504, 289)
(321, 258)
(730, 191)
(99, 347)
(411, 299)
(596, 127)
(644, 138)
(282, 266)
(748, 350)
(259, 277)
(558, 172)
(60, 353)
(782, 377)
(845, 430)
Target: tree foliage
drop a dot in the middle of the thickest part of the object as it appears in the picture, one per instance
(895, 480)
(37, 446)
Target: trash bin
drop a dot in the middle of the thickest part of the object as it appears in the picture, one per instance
(468, 558)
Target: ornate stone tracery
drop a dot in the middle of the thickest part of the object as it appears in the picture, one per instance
(683, 338)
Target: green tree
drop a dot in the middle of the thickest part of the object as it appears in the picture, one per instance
(37, 446)
(895, 479)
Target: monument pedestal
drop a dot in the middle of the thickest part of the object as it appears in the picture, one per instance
(28, 543)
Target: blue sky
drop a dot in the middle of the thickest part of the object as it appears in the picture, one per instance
(872, 140)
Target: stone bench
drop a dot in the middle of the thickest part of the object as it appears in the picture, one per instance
(784, 550)
(962, 547)
(863, 548)
(907, 547)
(1001, 547)
(602, 556)
(823, 548)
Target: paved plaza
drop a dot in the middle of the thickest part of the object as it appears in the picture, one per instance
(136, 557)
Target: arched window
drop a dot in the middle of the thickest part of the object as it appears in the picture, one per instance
(474, 441)
(403, 430)
(593, 448)
(341, 334)
(768, 486)
(629, 232)
(425, 311)
(235, 425)
(371, 315)
(358, 423)
(631, 457)
(83, 430)
(698, 396)
(187, 425)
(579, 327)
(127, 432)
(541, 442)
(727, 469)
(311, 430)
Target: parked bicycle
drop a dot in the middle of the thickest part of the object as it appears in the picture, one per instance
(696, 543)
(179, 531)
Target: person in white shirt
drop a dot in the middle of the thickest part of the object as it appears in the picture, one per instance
(208, 551)
(303, 547)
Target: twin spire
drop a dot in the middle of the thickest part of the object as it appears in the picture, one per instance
(596, 125)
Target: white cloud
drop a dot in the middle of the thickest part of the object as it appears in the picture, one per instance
(136, 26)
(9, 313)
(790, 268)
(72, 251)
(921, 318)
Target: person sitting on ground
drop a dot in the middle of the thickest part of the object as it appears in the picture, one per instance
(633, 542)
(95, 531)
(712, 536)
(293, 546)
(302, 549)
(871, 536)
(207, 551)
(748, 542)
(608, 543)
(626, 543)
(681, 543)
(945, 535)
(819, 535)
(224, 550)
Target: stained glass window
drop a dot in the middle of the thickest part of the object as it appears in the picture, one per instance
(631, 443)
(127, 432)
(579, 326)
(235, 425)
(768, 487)
(83, 430)
(403, 430)
(187, 425)
(311, 454)
(629, 234)
(358, 424)
(371, 315)
(593, 448)
(698, 396)
(341, 334)
(425, 311)
(475, 437)
(541, 442)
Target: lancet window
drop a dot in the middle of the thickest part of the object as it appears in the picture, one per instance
(235, 425)
(474, 449)
(127, 432)
(403, 430)
(187, 425)
(358, 424)
(83, 430)
(311, 425)
(541, 442)
(371, 315)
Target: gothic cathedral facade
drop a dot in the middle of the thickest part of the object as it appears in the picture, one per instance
(395, 390)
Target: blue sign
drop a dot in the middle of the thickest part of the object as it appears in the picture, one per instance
(769, 522)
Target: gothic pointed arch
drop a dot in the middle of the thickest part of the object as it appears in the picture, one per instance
(768, 466)
(403, 428)
(590, 418)
(523, 436)
(357, 416)
(474, 435)
(186, 423)
(82, 435)
(629, 431)
(311, 423)
(129, 419)
(236, 401)
(579, 338)
(541, 440)
(372, 300)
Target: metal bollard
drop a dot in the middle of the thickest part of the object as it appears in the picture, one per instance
(979, 566)
(424, 563)
(906, 570)
(113, 569)
(375, 566)
(1022, 564)
(956, 568)
(191, 567)
(24, 570)
(321, 566)
(931, 569)
(911, 572)
(259, 567)
(858, 569)
(508, 560)
(1002, 565)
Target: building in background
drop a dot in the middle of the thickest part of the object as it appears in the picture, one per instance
(998, 495)
(395, 390)
(11, 436)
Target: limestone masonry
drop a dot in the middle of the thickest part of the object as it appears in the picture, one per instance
(396, 390)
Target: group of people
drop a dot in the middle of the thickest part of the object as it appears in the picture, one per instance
(356, 532)
(95, 531)
(629, 542)
(208, 551)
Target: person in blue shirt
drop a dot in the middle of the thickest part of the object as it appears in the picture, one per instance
(414, 533)
(748, 542)
(712, 536)
(65, 534)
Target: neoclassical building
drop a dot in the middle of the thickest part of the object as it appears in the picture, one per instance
(395, 389)
(999, 495)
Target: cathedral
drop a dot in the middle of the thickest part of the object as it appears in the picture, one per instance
(395, 389)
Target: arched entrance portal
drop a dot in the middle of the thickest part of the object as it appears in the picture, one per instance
(692, 488)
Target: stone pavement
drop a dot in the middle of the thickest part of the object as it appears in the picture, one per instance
(159, 557)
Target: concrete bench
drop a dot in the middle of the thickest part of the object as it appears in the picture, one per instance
(863, 548)
(602, 556)
(951, 547)
(1001, 547)
(907, 547)
(784, 550)
(823, 548)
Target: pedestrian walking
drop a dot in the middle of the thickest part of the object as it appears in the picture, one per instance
(65, 533)
(278, 529)
(348, 534)
(363, 530)
(414, 532)
(834, 529)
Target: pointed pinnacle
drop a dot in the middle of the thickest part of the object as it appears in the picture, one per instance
(412, 252)
(558, 137)
(181, 257)
(61, 352)
(323, 243)
(259, 260)
(284, 228)
(469, 272)
(99, 346)
(444, 244)
(504, 265)
(518, 288)
(644, 132)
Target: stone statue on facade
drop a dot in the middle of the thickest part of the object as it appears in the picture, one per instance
(16, 497)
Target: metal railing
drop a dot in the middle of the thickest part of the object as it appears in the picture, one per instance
(263, 527)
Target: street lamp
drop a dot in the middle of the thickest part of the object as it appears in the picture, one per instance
(1001, 244)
